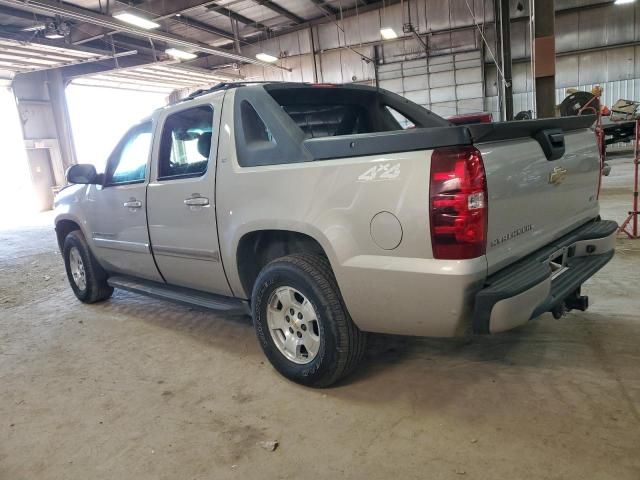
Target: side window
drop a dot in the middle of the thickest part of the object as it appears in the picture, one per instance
(255, 131)
(403, 121)
(185, 144)
(129, 163)
(264, 135)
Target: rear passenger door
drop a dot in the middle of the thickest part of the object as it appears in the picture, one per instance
(181, 196)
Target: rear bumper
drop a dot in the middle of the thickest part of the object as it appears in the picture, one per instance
(530, 287)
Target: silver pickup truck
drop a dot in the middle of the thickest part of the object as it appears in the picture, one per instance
(329, 211)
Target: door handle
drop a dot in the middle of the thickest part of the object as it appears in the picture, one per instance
(133, 203)
(196, 202)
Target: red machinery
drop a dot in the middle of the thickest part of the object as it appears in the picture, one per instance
(630, 225)
(586, 103)
(469, 118)
(591, 103)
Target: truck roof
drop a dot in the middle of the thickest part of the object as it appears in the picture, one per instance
(277, 84)
(274, 86)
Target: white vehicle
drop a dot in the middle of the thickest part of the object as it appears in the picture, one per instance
(316, 209)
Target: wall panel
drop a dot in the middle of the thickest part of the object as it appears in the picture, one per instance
(455, 88)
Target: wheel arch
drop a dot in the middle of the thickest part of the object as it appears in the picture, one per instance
(64, 227)
(259, 247)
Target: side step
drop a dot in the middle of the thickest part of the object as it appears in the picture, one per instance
(185, 296)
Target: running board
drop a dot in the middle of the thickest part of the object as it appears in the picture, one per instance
(185, 296)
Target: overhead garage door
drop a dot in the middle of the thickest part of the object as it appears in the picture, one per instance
(447, 85)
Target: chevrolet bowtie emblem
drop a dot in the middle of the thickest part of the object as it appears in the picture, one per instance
(557, 176)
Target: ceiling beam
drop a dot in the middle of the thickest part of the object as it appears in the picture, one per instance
(336, 16)
(88, 59)
(205, 27)
(85, 61)
(377, 5)
(274, 7)
(326, 8)
(14, 12)
(89, 33)
(82, 15)
(325, 18)
(105, 66)
(157, 11)
(159, 70)
(45, 44)
(236, 16)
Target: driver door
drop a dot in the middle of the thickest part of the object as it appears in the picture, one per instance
(116, 210)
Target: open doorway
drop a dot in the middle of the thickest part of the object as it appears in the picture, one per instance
(100, 117)
(17, 195)
(42, 178)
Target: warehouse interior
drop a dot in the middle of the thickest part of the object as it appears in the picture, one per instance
(138, 387)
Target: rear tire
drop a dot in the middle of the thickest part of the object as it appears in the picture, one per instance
(87, 278)
(302, 324)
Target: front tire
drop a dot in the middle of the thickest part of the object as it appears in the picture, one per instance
(87, 278)
(302, 324)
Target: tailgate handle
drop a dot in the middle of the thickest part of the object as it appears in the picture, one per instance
(552, 142)
(557, 138)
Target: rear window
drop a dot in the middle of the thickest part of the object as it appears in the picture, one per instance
(404, 122)
(281, 123)
(335, 111)
(329, 120)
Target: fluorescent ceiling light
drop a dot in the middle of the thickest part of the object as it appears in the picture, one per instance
(35, 28)
(622, 2)
(55, 30)
(265, 57)
(136, 20)
(180, 54)
(388, 33)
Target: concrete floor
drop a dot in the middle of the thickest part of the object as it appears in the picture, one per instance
(136, 388)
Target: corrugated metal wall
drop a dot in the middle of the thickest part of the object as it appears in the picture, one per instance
(336, 63)
(617, 70)
(596, 44)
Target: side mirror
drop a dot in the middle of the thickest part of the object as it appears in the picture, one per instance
(82, 173)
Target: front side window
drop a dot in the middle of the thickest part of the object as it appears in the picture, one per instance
(185, 145)
(129, 163)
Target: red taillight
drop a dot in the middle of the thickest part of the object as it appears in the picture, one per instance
(458, 203)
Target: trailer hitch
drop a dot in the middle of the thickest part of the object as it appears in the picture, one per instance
(580, 302)
(575, 301)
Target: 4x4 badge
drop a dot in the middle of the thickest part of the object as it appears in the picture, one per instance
(386, 171)
(557, 176)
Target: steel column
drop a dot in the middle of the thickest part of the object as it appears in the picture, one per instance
(505, 33)
(545, 58)
(376, 63)
(314, 63)
(499, 82)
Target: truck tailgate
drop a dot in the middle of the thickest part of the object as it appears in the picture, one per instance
(534, 199)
